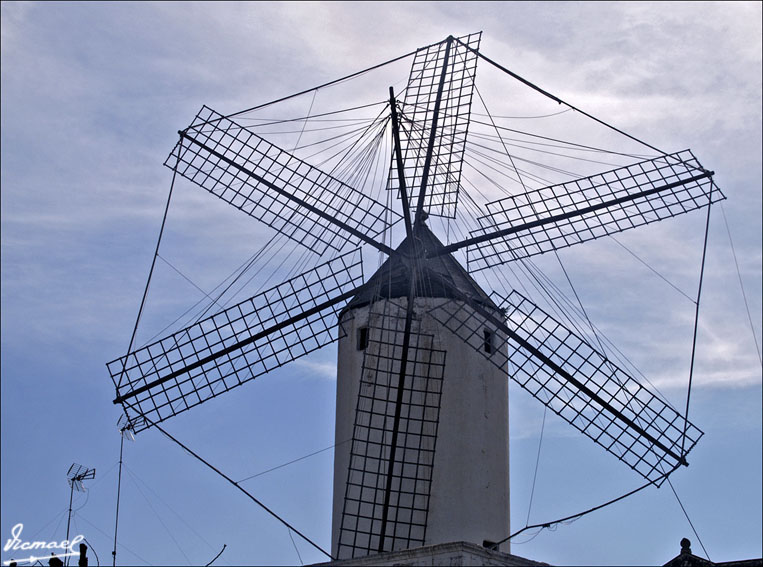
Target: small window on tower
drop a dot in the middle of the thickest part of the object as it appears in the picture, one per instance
(362, 338)
(488, 341)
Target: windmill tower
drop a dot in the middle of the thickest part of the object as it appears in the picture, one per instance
(424, 353)
(429, 460)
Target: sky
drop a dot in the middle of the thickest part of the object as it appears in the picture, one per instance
(93, 95)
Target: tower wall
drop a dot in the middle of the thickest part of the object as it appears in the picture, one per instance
(469, 498)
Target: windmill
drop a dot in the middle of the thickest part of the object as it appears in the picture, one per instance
(424, 351)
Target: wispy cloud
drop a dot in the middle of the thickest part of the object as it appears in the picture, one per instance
(324, 370)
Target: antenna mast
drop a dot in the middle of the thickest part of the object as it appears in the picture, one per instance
(75, 475)
(125, 429)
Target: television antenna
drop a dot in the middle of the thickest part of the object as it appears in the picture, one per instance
(76, 475)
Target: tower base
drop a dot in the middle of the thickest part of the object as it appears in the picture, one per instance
(460, 553)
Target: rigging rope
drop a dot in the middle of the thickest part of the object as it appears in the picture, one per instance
(158, 517)
(295, 460)
(295, 547)
(314, 117)
(304, 122)
(330, 83)
(216, 556)
(688, 519)
(565, 142)
(237, 485)
(548, 525)
(123, 546)
(696, 316)
(178, 515)
(558, 100)
(537, 461)
(245, 267)
(741, 285)
(186, 278)
(153, 261)
(529, 117)
(658, 274)
(585, 313)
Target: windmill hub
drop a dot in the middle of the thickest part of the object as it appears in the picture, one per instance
(437, 275)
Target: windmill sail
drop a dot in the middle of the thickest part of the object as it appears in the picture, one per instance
(236, 345)
(390, 471)
(436, 110)
(581, 385)
(585, 209)
(286, 193)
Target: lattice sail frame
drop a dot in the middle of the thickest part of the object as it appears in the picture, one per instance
(610, 199)
(257, 176)
(418, 104)
(602, 384)
(367, 478)
(170, 376)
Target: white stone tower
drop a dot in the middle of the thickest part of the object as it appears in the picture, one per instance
(451, 468)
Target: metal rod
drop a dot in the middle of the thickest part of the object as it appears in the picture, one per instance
(398, 405)
(432, 135)
(68, 522)
(399, 162)
(240, 344)
(419, 219)
(696, 321)
(315, 210)
(552, 219)
(119, 490)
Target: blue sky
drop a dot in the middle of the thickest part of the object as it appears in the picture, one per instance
(92, 97)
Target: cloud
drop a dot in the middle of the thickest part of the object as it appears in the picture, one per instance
(14, 15)
(317, 369)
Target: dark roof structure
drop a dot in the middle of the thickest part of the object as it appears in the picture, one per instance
(687, 559)
(437, 275)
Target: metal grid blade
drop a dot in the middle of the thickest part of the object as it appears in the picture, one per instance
(248, 172)
(452, 124)
(236, 345)
(592, 207)
(372, 440)
(582, 386)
